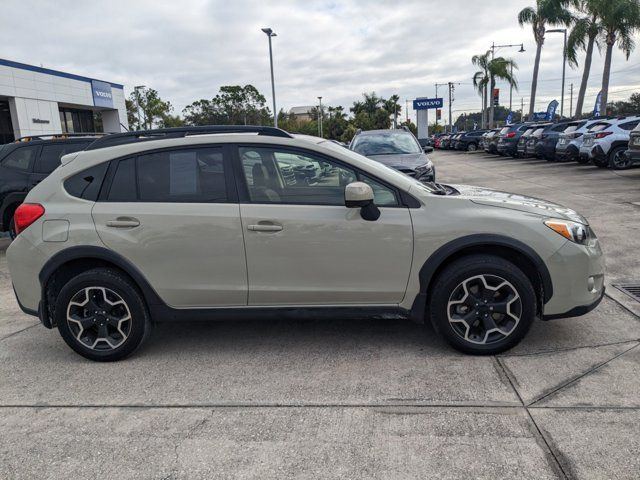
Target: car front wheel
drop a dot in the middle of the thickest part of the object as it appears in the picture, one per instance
(101, 315)
(482, 304)
(472, 147)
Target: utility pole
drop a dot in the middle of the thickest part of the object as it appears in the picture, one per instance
(270, 33)
(406, 112)
(450, 109)
(439, 85)
(522, 109)
(571, 104)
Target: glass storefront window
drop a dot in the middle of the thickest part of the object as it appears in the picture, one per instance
(77, 121)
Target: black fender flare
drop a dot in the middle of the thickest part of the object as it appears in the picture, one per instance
(446, 251)
(618, 144)
(94, 253)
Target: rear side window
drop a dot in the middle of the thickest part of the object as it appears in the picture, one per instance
(629, 125)
(598, 127)
(195, 175)
(21, 158)
(87, 183)
(50, 156)
(123, 185)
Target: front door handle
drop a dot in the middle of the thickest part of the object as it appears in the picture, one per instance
(124, 222)
(265, 227)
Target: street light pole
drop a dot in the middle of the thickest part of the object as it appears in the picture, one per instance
(270, 33)
(564, 65)
(135, 89)
(493, 55)
(320, 118)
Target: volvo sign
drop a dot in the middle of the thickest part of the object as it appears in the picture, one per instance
(102, 95)
(427, 103)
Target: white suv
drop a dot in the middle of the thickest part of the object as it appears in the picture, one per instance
(233, 222)
(607, 141)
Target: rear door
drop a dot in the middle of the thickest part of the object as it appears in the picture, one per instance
(304, 247)
(174, 214)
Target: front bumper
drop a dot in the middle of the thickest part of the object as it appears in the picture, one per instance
(578, 274)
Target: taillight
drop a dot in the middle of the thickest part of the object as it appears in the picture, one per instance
(510, 135)
(26, 214)
(602, 134)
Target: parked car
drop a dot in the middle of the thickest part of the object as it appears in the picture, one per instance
(606, 143)
(133, 230)
(524, 138)
(445, 142)
(546, 144)
(398, 149)
(570, 141)
(633, 154)
(470, 141)
(509, 137)
(533, 139)
(26, 162)
(491, 141)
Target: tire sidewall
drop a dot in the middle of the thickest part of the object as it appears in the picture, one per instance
(456, 274)
(121, 286)
(612, 157)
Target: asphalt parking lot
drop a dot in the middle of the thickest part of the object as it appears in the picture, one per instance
(346, 399)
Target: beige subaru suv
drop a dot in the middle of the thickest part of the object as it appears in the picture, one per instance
(236, 222)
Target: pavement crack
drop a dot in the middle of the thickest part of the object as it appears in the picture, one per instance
(579, 377)
(19, 331)
(568, 349)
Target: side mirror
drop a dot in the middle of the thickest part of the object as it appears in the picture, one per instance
(427, 149)
(360, 195)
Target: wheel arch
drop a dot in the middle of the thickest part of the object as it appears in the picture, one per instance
(9, 204)
(70, 262)
(518, 253)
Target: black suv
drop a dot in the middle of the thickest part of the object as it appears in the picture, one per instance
(469, 141)
(509, 137)
(26, 162)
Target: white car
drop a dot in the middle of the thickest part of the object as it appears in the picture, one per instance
(607, 141)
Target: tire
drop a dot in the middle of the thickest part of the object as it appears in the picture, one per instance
(112, 336)
(618, 160)
(582, 160)
(509, 289)
(472, 147)
(12, 228)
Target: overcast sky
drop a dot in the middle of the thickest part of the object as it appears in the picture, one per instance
(338, 49)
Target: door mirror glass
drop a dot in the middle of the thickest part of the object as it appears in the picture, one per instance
(427, 149)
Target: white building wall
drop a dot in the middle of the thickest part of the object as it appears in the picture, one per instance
(38, 95)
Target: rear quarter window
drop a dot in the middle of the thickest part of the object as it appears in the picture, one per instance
(86, 184)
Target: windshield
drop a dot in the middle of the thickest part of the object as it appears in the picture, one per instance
(386, 143)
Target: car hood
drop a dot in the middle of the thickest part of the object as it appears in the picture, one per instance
(408, 160)
(513, 201)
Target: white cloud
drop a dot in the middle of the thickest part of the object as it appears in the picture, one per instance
(338, 49)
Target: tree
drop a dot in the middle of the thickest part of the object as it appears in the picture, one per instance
(233, 105)
(369, 113)
(152, 108)
(392, 107)
(620, 20)
(500, 69)
(546, 12)
(132, 114)
(481, 81)
(584, 36)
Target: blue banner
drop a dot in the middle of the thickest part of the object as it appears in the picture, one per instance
(102, 95)
(427, 103)
(510, 118)
(551, 110)
(596, 109)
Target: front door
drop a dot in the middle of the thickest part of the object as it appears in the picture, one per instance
(174, 215)
(304, 247)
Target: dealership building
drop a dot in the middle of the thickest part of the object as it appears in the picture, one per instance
(40, 101)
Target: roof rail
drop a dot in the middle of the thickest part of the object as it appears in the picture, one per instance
(179, 132)
(58, 136)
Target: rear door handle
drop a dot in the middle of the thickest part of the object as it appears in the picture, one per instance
(265, 227)
(124, 222)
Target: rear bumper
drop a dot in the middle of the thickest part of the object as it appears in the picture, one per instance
(508, 148)
(598, 154)
(567, 152)
(633, 155)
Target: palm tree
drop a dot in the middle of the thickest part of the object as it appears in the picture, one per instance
(584, 36)
(392, 107)
(481, 80)
(546, 12)
(620, 20)
(500, 69)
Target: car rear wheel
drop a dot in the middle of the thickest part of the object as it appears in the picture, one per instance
(101, 315)
(472, 147)
(482, 304)
(618, 160)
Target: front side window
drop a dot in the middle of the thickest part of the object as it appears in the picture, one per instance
(281, 176)
(386, 143)
(21, 158)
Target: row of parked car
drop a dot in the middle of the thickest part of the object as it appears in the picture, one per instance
(612, 142)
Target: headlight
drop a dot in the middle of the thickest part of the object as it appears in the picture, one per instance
(574, 231)
(427, 167)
